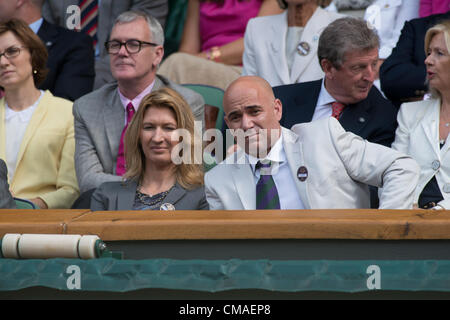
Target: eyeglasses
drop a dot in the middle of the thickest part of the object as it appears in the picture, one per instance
(11, 52)
(132, 46)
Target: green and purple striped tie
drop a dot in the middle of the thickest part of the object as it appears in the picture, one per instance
(266, 190)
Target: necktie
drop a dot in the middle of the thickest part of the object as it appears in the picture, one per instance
(89, 18)
(266, 190)
(336, 109)
(120, 167)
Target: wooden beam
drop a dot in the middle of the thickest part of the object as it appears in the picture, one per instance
(288, 224)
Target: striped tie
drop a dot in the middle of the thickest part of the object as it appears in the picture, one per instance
(89, 18)
(120, 166)
(266, 190)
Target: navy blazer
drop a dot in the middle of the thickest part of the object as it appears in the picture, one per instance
(403, 74)
(374, 118)
(70, 62)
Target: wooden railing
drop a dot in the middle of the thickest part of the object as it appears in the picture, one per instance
(289, 224)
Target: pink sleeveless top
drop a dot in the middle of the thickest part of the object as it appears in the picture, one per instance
(222, 24)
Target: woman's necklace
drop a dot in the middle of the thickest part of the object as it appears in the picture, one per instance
(149, 200)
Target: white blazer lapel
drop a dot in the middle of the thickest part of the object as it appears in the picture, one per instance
(430, 126)
(277, 47)
(244, 182)
(310, 35)
(293, 149)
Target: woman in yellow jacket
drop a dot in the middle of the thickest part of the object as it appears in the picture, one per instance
(36, 129)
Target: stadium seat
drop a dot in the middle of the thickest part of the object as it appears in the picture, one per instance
(24, 204)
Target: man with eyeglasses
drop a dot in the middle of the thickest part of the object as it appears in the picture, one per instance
(61, 12)
(135, 48)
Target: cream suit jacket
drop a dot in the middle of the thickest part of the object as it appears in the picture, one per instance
(265, 48)
(340, 165)
(45, 163)
(418, 135)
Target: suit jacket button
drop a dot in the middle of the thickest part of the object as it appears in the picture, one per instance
(447, 188)
(435, 165)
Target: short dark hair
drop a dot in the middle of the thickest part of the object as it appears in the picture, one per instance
(38, 51)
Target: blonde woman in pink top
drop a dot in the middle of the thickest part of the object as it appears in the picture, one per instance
(429, 7)
(212, 44)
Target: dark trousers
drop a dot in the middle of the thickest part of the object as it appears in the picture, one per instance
(84, 200)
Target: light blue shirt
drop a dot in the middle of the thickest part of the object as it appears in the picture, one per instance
(35, 26)
(323, 107)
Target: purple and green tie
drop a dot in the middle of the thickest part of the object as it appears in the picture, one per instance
(266, 190)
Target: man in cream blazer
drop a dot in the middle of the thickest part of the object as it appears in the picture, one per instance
(326, 167)
(265, 48)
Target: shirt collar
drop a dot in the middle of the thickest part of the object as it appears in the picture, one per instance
(24, 115)
(35, 26)
(137, 100)
(276, 154)
(325, 97)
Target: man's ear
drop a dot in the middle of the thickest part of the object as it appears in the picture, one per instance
(226, 120)
(278, 108)
(328, 68)
(159, 52)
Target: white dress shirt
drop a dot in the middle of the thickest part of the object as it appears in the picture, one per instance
(282, 176)
(16, 123)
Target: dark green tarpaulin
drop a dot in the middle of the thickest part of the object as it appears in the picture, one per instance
(219, 275)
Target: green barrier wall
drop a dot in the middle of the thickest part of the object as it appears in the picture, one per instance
(219, 275)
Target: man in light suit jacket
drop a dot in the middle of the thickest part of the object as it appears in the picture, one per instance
(100, 116)
(6, 199)
(317, 166)
(56, 11)
(70, 54)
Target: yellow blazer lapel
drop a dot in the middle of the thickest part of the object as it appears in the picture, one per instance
(36, 119)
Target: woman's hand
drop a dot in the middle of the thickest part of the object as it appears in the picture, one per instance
(39, 203)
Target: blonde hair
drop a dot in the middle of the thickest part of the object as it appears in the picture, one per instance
(444, 28)
(188, 175)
